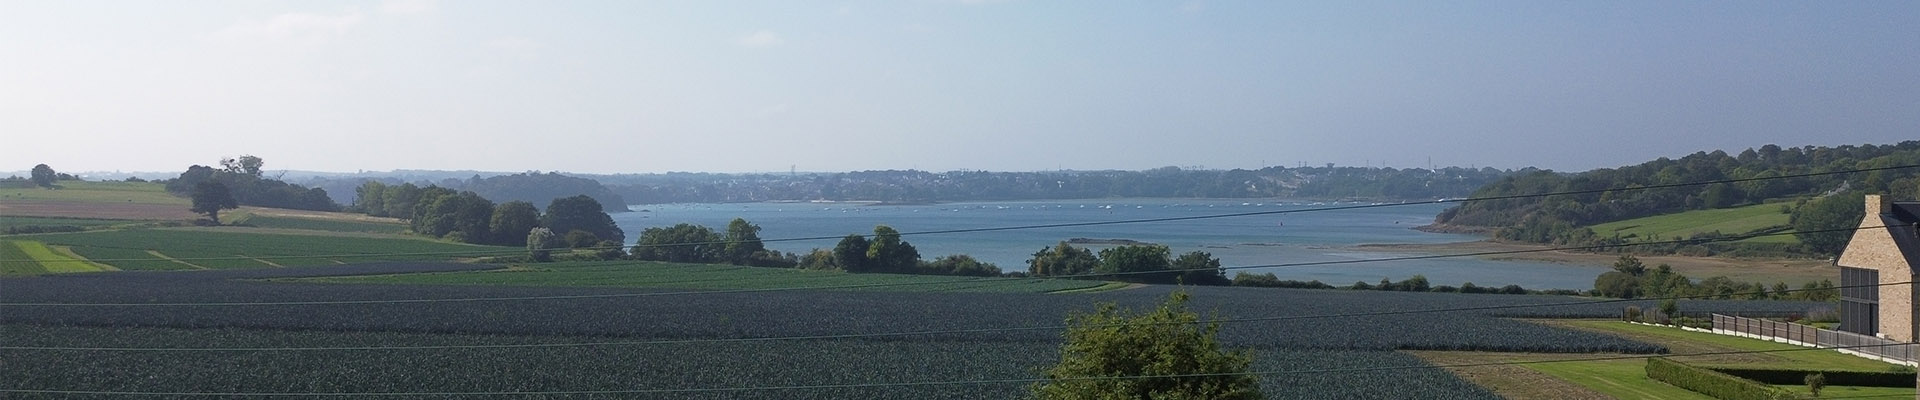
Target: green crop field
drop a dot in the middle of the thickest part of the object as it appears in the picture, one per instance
(14, 221)
(213, 249)
(95, 192)
(317, 224)
(22, 257)
(1731, 221)
(718, 277)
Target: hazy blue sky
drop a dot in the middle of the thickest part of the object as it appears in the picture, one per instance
(633, 86)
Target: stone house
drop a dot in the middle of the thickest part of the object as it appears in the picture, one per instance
(1885, 251)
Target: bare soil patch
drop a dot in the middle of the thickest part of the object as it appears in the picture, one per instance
(325, 215)
(1793, 271)
(129, 211)
(1511, 381)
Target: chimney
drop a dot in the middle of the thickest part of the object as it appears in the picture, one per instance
(1877, 205)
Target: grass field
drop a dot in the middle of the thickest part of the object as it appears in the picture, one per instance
(151, 249)
(646, 274)
(24, 257)
(1627, 378)
(95, 192)
(10, 221)
(1730, 221)
(316, 224)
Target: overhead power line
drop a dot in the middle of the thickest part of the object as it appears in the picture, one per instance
(975, 382)
(1042, 226)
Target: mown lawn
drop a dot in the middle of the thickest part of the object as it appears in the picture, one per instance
(1731, 221)
(1627, 378)
(649, 274)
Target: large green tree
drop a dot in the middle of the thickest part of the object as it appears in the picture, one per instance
(1823, 224)
(1136, 264)
(743, 241)
(512, 220)
(679, 243)
(851, 254)
(1200, 268)
(887, 253)
(43, 175)
(1108, 347)
(582, 213)
(211, 197)
(960, 264)
(1062, 260)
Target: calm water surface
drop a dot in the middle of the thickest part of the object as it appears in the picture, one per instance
(1300, 234)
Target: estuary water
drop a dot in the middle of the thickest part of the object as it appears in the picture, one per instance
(1296, 233)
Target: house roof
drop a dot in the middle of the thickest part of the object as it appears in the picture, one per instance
(1902, 219)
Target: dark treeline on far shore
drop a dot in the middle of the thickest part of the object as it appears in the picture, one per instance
(1323, 182)
(1166, 182)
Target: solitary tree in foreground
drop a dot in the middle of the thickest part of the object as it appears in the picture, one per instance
(1108, 349)
(210, 197)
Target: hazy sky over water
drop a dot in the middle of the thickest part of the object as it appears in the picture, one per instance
(726, 86)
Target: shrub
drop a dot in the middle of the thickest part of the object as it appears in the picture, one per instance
(1632, 314)
(1710, 382)
(1169, 340)
(1815, 382)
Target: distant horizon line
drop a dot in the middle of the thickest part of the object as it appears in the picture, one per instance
(405, 170)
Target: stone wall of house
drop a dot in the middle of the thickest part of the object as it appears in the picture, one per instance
(1872, 247)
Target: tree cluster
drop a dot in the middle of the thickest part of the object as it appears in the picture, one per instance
(1562, 219)
(1418, 283)
(1131, 263)
(887, 253)
(1631, 279)
(464, 216)
(531, 187)
(243, 180)
(689, 243)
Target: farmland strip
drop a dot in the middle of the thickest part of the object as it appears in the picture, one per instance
(156, 253)
(50, 261)
(262, 261)
(13, 261)
(68, 252)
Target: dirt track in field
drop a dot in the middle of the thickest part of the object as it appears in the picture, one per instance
(138, 211)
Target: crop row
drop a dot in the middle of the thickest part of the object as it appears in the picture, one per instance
(1323, 319)
(221, 250)
(1289, 330)
(653, 274)
(629, 368)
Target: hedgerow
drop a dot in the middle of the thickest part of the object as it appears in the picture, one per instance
(1710, 382)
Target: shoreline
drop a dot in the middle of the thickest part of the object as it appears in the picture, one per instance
(1793, 271)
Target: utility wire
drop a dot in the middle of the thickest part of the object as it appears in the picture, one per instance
(876, 285)
(976, 382)
(1047, 226)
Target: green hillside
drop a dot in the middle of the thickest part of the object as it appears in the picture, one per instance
(1731, 221)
